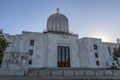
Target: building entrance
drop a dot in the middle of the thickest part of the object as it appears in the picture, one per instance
(63, 56)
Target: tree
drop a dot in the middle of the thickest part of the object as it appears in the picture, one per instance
(116, 52)
(3, 45)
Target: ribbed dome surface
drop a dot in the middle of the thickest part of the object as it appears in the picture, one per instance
(58, 23)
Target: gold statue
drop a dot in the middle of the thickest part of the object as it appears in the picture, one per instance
(57, 10)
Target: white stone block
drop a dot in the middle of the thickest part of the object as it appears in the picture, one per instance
(68, 73)
(108, 73)
(32, 73)
(79, 73)
(89, 73)
(44, 73)
(116, 72)
(4, 72)
(57, 73)
(99, 73)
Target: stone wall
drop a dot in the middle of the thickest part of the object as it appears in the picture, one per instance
(87, 52)
(14, 60)
(75, 73)
(82, 53)
(12, 72)
(119, 61)
(14, 64)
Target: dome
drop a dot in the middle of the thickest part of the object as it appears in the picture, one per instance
(57, 23)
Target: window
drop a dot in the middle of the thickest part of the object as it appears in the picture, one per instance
(109, 51)
(106, 63)
(95, 47)
(30, 61)
(97, 63)
(30, 52)
(63, 56)
(113, 63)
(31, 42)
(96, 55)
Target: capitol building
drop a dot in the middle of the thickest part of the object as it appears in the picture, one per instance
(57, 47)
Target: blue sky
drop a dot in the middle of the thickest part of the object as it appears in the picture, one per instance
(88, 18)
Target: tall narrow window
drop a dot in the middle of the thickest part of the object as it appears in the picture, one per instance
(106, 63)
(31, 42)
(97, 63)
(30, 52)
(30, 61)
(96, 55)
(109, 51)
(95, 47)
(63, 56)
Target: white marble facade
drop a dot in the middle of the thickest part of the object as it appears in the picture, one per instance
(84, 52)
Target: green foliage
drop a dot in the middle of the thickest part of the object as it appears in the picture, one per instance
(1, 57)
(116, 52)
(3, 45)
